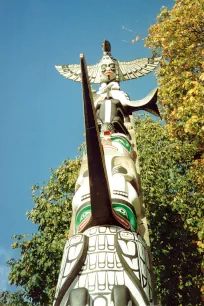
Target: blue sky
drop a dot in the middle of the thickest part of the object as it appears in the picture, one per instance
(41, 119)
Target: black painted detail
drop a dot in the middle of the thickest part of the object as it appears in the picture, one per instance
(144, 281)
(116, 113)
(106, 46)
(78, 297)
(120, 295)
(84, 197)
(150, 294)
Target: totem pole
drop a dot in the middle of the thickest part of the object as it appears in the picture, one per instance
(106, 258)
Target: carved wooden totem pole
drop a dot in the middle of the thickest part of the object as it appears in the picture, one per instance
(106, 259)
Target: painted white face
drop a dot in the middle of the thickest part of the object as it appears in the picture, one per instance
(108, 70)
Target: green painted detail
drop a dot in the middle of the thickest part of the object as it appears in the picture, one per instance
(81, 216)
(120, 208)
(125, 143)
(127, 213)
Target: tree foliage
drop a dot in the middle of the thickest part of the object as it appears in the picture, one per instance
(178, 36)
(174, 209)
(37, 270)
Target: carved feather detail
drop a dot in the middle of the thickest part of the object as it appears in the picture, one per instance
(127, 70)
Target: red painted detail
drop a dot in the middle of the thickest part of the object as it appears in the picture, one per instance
(108, 72)
(119, 218)
(126, 152)
(122, 220)
(83, 224)
(110, 147)
(107, 133)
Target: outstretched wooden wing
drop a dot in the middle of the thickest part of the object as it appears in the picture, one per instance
(137, 68)
(127, 70)
(73, 72)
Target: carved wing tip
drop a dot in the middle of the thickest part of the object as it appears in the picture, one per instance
(156, 58)
(58, 68)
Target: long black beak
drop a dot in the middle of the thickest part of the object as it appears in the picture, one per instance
(101, 208)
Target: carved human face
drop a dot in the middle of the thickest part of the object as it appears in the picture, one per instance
(108, 71)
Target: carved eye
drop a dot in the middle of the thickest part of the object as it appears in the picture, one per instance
(126, 235)
(84, 215)
(122, 211)
(112, 66)
(119, 169)
(103, 67)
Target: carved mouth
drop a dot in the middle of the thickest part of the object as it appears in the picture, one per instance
(108, 72)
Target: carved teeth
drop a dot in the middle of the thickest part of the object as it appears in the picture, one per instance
(85, 196)
(121, 193)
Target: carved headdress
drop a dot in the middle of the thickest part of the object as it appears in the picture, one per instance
(109, 69)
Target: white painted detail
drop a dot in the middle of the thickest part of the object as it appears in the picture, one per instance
(110, 239)
(114, 229)
(72, 252)
(63, 280)
(127, 235)
(92, 281)
(111, 277)
(102, 229)
(75, 239)
(101, 242)
(120, 278)
(118, 263)
(101, 280)
(110, 260)
(123, 246)
(101, 260)
(78, 249)
(107, 110)
(67, 269)
(134, 291)
(131, 248)
(132, 263)
(66, 245)
(100, 301)
(102, 268)
(83, 280)
(92, 230)
(92, 243)
(92, 261)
